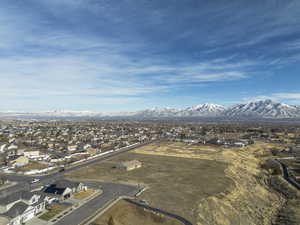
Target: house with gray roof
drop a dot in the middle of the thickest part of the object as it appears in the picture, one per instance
(19, 207)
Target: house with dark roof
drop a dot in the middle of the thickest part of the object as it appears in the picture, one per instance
(20, 207)
(64, 189)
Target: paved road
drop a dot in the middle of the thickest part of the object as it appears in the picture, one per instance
(24, 180)
(110, 192)
(287, 177)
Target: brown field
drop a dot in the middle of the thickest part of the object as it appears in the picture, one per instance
(33, 166)
(205, 184)
(126, 213)
(175, 184)
(179, 149)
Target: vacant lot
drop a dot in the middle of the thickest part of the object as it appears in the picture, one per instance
(179, 149)
(175, 184)
(127, 213)
(206, 184)
(33, 166)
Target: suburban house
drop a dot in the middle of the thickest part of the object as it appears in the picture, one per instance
(51, 145)
(129, 165)
(32, 154)
(72, 148)
(3, 148)
(20, 207)
(64, 189)
(92, 151)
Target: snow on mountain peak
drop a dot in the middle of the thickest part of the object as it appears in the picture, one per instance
(255, 109)
(263, 108)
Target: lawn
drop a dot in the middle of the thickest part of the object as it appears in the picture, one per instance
(176, 184)
(82, 195)
(51, 213)
(126, 213)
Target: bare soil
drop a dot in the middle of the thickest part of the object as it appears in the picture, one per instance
(124, 213)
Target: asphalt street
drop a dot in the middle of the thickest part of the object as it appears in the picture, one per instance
(24, 180)
(110, 192)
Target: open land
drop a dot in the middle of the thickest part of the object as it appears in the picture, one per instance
(194, 180)
(173, 182)
(124, 212)
(32, 166)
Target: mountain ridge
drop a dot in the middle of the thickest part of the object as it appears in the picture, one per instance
(255, 109)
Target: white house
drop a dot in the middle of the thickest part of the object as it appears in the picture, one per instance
(72, 148)
(32, 154)
(3, 148)
(20, 207)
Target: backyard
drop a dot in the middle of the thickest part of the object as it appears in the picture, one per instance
(53, 211)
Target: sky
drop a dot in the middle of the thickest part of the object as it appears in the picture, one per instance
(127, 55)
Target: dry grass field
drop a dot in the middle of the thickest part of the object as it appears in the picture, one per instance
(206, 184)
(32, 166)
(179, 149)
(126, 213)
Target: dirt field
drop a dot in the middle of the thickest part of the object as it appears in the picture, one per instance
(125, 213)
(33, 166)
(179, 149)
(175, 184)
(207, 185)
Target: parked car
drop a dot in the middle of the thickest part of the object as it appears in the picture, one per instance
(35, 180)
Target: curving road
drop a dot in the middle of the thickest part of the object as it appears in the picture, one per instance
(110, 192)
(181, 219)
(286, 175)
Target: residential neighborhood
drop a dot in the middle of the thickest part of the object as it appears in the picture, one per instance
(35, 155)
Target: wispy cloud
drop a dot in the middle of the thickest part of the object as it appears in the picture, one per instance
(89, 50)
(292, 98)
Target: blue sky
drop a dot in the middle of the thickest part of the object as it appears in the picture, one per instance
(124, 55)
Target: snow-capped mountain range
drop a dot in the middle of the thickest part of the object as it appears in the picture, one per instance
(256, 109)
(265, 109)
